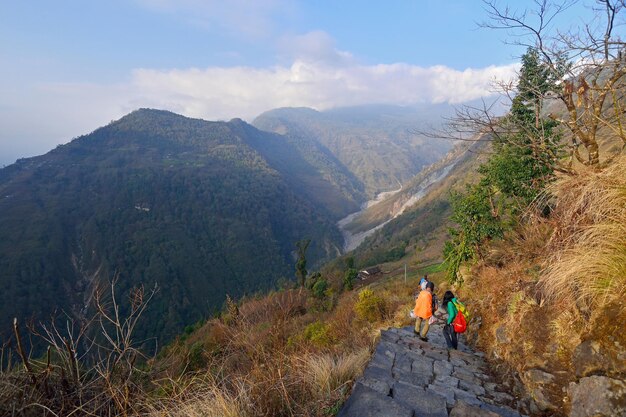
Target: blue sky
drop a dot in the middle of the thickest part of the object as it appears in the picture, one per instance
(71, 66)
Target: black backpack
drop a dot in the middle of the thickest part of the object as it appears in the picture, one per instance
(435, 304)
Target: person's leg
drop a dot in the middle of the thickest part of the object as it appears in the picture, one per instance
(455, 340)
(446, 334)
(418, 324)
(425, 328)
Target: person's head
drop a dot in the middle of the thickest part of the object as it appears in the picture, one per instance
(430, 286)
(426, 277)
(447, 297)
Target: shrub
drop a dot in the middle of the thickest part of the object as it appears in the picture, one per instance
(318, 334)
(370, 306)
(195, 358)
(320, 287)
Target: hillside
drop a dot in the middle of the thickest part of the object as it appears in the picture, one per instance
(202, 209)
(377, 144)
(414, 220)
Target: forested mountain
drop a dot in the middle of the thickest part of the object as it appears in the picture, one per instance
(203, 209)
(380, 145)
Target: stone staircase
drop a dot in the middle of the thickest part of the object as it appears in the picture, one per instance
(407, 377)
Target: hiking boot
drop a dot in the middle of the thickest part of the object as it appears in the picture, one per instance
(424, 339)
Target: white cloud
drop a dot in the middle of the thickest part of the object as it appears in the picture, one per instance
(315, 46)
(223, 93)
(316, 75)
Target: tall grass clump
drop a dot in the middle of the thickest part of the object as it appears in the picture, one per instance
(206, 397)
(325, 373)
(587, 261)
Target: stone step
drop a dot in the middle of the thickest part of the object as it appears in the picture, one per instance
(410, 377)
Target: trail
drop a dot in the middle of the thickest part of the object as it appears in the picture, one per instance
(407, 377)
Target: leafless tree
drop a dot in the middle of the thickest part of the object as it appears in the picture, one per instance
(587, 66)
(90, 367)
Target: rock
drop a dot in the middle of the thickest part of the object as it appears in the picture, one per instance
(590, 358)
(502, 397)
(379, 374)
(412, 378)
(386, 349)
(442, 368)
(377, 385)
(365, 402)
(423, 366)
(468, 397)
(598, 396)
(542, 401)
(425, 403)
(490, 387)
(462, 409)
(444, 391)
(457, 362)
(446, 381)
(536, 381)
(466, 376)
(473, 388)
(389, 337)
(538, 377)
(501, 410)
(436, 354)
(381, 361)
(501, 336)
(402, 364)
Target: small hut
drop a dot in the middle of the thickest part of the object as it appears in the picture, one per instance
(369, 273)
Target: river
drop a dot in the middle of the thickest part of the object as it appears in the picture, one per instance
(353, 240)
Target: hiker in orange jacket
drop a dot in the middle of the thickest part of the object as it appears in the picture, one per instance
(423, 311)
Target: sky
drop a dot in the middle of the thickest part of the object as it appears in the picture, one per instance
(70, 66)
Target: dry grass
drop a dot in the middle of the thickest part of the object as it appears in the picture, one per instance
(265, 369)
(207, 398)
(325, 373)
(555, 282)
(587, 262)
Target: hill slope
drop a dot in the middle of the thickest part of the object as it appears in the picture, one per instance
(377, 144)
(200, 208)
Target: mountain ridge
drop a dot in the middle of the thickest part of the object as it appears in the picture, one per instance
(155, 198)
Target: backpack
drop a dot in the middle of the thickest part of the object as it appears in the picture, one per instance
(460, 308)
(459, 324)
(435, 303)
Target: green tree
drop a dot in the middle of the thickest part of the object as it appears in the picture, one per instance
(526, 154)
(301, 272)
(319, 288)
(477, 221)
(349, 277)
(523, 162)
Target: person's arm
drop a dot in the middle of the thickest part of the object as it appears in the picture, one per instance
(439, 313)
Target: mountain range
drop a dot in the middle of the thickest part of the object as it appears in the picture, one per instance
(200, 209)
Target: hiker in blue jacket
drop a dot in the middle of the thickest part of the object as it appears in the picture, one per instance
(448, 330)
